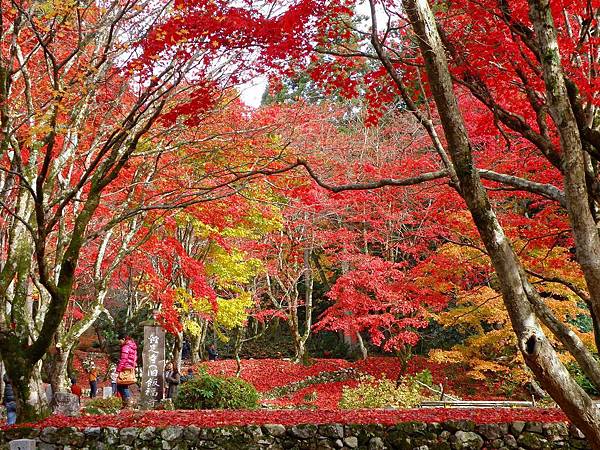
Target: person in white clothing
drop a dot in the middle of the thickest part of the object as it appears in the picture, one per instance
(113, 379)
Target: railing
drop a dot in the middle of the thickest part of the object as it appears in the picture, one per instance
(440, 392)
(476, 404)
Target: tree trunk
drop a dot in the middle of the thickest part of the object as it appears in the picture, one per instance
(350, 341)
(202, 342)
(59, 370)
(294, 324)
(308, 299)
(19, 371)
(564, 334)
(585, 232)
(239, 340)
(300, 348)
(195, 348)
(361, 347)
(537, 351)
(177, 350)
(37, 396)
(581, 209)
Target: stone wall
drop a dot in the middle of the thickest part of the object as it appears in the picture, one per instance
(452, 435)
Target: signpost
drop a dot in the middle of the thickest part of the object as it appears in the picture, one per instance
(153, 356)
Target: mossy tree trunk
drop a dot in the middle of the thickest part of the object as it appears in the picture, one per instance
(59, 369)
(19, 371)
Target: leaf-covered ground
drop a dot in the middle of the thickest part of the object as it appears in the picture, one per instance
(318, 404)
(267, 374)
(292, 417)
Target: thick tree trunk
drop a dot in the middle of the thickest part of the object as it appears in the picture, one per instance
(59, 370)
(564, 334)
(37, 392)
(61, 367)
(19, 371)
(535, 347)
(294, 324)
(584, 227)
(297, 338)
(350, 341)
(581, 209)
(202, 353)
(300, 349)
(195, 348)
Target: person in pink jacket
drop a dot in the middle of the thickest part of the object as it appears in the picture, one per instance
(128, 360)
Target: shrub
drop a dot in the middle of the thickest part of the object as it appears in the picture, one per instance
(382, 393)
(110, 405)
(582, 380)
(216, 392)
(424, 376)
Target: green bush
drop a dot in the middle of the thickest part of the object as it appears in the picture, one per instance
(110, 405)
(216, 392)
(424, 376)
(582, 380)
(383, 393)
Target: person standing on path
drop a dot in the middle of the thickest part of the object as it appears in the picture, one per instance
(9, 401)
(76, 389)
(93, 379)
(173, 378)
(126, 368)
(213, 355)
(113, 379)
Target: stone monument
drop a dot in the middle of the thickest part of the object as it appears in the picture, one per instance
(66, 404)
(153, 370)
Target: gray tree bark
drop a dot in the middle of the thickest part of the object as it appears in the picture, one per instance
(537, 351)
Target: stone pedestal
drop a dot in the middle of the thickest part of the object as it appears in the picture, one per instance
(66, 404)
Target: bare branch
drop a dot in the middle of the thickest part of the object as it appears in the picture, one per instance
(545, 190)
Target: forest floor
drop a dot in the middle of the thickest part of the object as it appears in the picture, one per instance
(319, 384)
(315, 403)
(220, 418)
(270, 375)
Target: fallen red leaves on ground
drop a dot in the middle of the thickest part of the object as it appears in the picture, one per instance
(266, 374)
(220, 418)
(328, 396)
